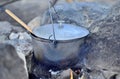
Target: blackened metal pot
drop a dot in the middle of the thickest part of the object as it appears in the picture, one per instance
(61, 51)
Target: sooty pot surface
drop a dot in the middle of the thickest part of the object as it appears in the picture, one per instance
(61, 51)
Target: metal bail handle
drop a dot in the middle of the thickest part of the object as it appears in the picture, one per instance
(53, 29)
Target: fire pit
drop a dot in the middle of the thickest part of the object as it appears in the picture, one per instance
(56, 45)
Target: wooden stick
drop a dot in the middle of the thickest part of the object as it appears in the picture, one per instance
(18, 20)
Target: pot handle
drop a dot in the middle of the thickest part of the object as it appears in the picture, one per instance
(54, 42)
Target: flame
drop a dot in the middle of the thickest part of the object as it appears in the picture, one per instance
(83, 76)
(69, 1)
(71, 74)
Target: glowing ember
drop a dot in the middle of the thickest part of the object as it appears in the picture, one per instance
(69, 0)
(71, 74)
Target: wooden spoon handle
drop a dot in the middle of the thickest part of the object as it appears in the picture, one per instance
(18, 20)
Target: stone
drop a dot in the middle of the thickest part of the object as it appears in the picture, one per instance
(3, 2)
(13, 36)
(17, 29)
(22, 56)
(20, 36)
(61, 2)
(3, 37)
(24, 36)
(26, 10)
(109, 74)
(65, 74)
(8, 31)
(35, 22)
(5, 27)
(108, 2)
(118, 76)
(22, 46)
(103, 46)
(11, 65)
(94, 74)
(115, 10)
(81, 14)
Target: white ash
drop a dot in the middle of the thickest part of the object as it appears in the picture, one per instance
(13, 36)
(24, 36)
(20, 35)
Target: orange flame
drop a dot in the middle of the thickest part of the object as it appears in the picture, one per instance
(71, 74)
(69, 1)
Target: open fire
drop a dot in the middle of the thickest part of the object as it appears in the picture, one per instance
(71, 74)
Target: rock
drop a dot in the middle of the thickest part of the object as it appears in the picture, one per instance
(29, 62)
(39, 70)
(5, 27)
(108, 2)
(109, 74)
(22, 56)
(84, 76)
(26, 10)
(20, 36)
(35, 22)
(61, 2)
(17, 29)
(5, 31)
(3, 2)
(13, 36)
(24, 36)
(3, 37)
(22, 46)
(82, 14)
(96, 75)
(11, 65)
(103, 47)
(115, 10)
(118, 76)
(66, 74)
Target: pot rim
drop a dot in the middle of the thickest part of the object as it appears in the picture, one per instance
(61, 33)
(49, 40)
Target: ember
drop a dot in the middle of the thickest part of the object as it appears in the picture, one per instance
(71, 74)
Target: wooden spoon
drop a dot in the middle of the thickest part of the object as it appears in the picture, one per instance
(18, 20)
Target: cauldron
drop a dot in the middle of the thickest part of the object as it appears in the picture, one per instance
(55, 45)
(62, 50)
